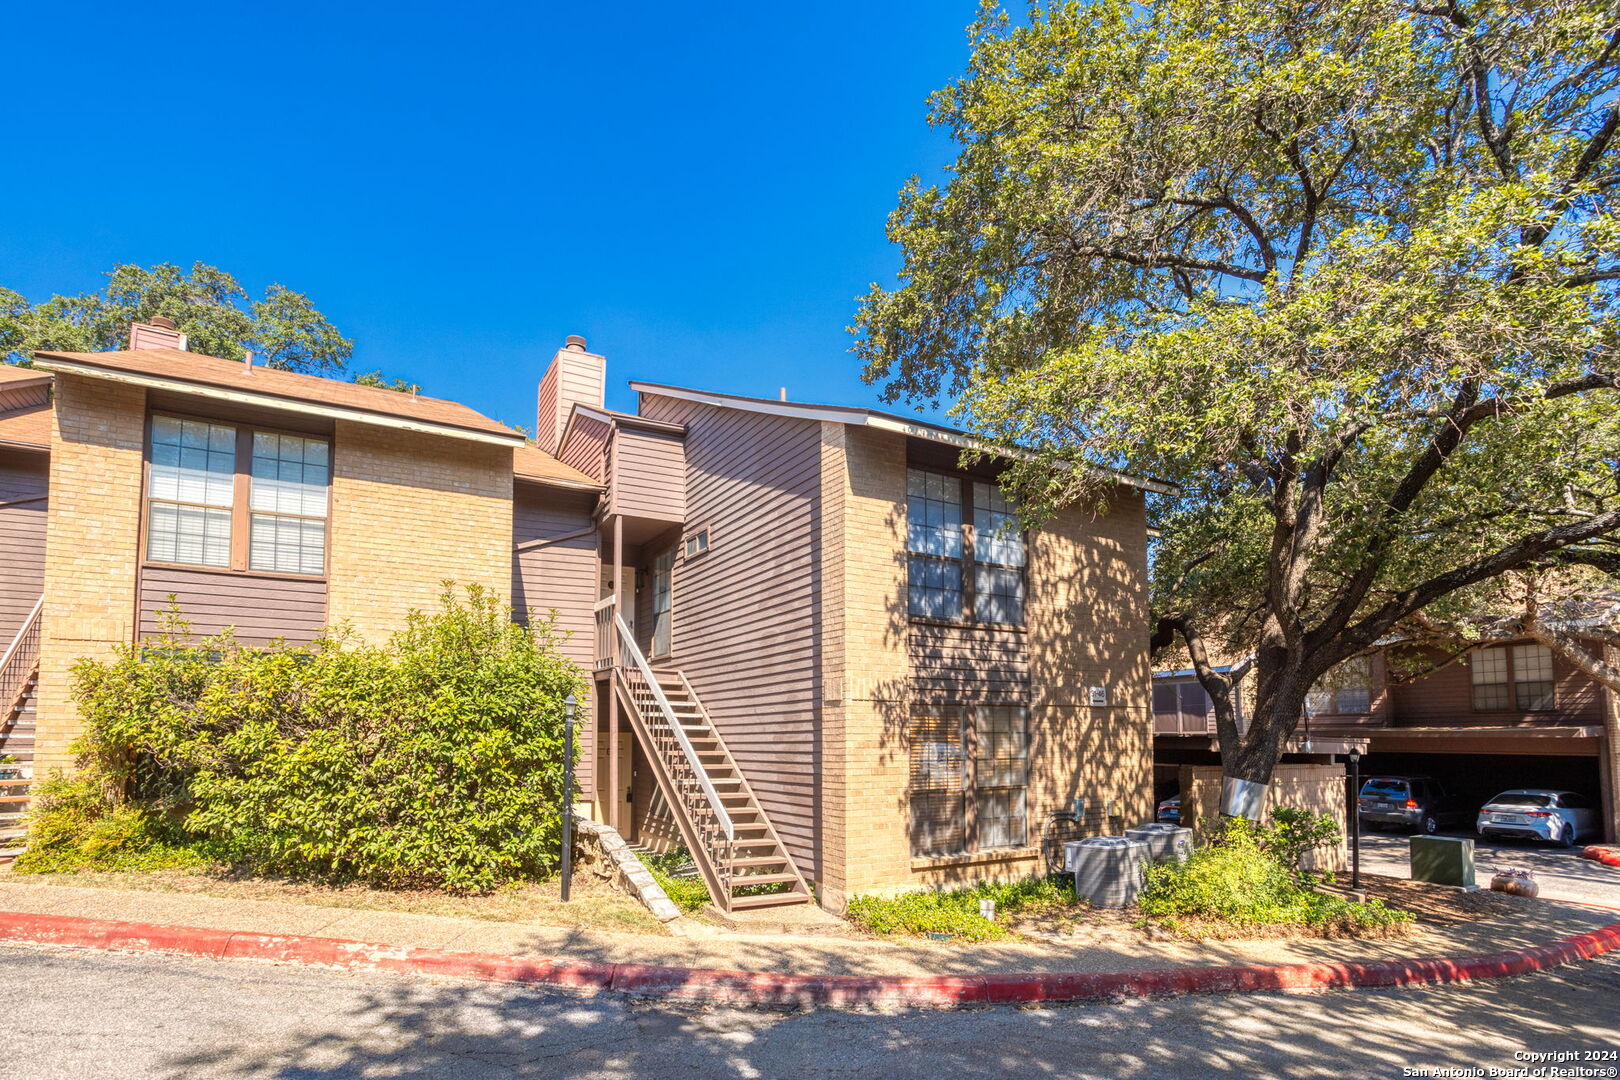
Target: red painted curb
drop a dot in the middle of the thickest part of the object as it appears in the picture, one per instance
(1602, 855)
(755, 988)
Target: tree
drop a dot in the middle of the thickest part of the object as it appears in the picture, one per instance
(282, 327)
(1343, 271)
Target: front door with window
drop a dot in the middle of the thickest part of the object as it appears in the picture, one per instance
(663, 601)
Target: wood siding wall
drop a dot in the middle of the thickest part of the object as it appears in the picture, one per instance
(24, 480)
(747, 612)
(586, 448)
(24, 397)
(1444, 698)
(649, 475)
(261, 608)
(562, 575)
(574, 378)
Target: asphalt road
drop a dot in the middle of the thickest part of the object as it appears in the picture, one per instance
(87, 1015)
(1561, 872)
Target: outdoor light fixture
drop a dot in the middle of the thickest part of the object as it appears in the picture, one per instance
(570, 706)
(1354, 757)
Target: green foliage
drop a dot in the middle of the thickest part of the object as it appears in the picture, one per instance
(1293, 834)
(1240, 884)
(78, 830)
(1345, 273)
(686, 891)
(383, 382)
(434, 761)
(956, 911)
(283, 328)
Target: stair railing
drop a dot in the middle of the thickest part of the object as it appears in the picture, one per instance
(20, 660)
(699, 799)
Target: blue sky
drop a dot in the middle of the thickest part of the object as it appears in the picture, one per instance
(699, 189)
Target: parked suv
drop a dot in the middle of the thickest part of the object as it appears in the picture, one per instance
(1417, 803)
(1561, 817)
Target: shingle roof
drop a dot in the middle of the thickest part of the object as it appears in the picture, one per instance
(211, 371)
(532, 463)
(12, 375)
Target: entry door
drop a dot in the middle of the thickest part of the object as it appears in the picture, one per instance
(626, 782)
(663, 601)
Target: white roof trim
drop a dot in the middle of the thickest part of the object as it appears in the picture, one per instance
(272, 401)
(840, 414)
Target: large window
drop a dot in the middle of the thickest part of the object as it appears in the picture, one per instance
(237, 499)
(969, 778)
(1344, 691)
(1505, 678)
(954, 524)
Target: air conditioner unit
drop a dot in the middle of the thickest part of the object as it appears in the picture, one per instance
(1163, 841)
(1107, 869)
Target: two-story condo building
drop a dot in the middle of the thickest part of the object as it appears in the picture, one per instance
(825, 659)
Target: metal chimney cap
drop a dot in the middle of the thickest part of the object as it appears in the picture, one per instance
(574, 342)
(163, 321)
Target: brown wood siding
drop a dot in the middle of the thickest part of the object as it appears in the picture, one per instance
(561, 576)
(969, 665)
(1444, 698)
(747, 612)
(24, 397)
(260, 607)
(586, 448)
(649, 475)
(23, 484)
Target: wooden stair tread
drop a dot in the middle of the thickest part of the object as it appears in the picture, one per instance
(770, 900)
(741, 880)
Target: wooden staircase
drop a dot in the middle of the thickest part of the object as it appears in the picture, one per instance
(19, 688)
(737, 851)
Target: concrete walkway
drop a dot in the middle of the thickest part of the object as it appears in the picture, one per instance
(1533, 923)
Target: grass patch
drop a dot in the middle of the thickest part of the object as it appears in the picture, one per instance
(686, 891)
(956, 911)
(595, 904)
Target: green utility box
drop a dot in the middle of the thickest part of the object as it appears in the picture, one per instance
(1443, 860)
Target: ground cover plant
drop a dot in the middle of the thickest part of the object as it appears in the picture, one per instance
(675, 875)
(432, 761)
(956, 911)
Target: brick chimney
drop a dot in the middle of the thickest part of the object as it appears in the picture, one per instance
(575, 377)
(158, 332)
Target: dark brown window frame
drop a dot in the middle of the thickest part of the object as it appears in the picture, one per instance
(968, 561)
(967, 727)
(241, 510)
(1512, 681)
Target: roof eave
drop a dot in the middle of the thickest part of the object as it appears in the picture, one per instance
(67, 365)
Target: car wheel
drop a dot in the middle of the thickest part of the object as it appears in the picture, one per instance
(1429, 826)
(1566, 838)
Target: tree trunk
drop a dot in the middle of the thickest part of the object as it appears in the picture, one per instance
(1247, 760)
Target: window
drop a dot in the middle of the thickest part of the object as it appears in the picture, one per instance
(1505, 677)
(1344, 691)
(696, 543)
(953, 524)
(969, 778)
(211, 484)
(663, 601)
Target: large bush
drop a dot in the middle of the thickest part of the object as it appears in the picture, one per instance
(1241, 883)
(432, 761)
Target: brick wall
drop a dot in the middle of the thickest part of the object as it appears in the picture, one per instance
(91, 545)
(1087, 626)
(410, 511)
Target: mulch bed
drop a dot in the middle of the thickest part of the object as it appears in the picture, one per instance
(1437, 905)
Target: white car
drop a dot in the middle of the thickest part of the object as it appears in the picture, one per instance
(1561, 817)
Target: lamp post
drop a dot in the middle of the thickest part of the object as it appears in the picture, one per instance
(1354, 757)
(569, 706)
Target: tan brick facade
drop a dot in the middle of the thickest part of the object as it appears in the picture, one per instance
(91, 545)
(1086, 627)
(409, 512)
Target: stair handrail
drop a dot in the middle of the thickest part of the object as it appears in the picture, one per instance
(14, 654)
(627, 640)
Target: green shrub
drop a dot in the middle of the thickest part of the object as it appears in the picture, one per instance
(956, 911)
(432, 761)
(1293, 834)
(1241, 883)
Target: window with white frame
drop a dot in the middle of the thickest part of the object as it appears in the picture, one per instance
(998, 557)
(210, 484)
(1344, 691)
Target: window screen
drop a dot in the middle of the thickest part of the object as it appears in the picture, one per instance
(191, 491)
(1533, 677)
(1488, 672)
(938, 779)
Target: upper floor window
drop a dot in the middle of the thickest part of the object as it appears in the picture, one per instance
(1508, 677)
(225, 496)
(956, 525)
(1344, 691)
